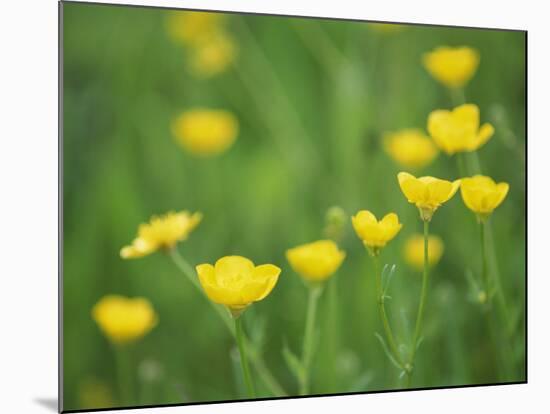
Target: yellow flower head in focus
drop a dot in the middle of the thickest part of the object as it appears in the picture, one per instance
(191, 27)
(234, 281)
(427, 193)
(452, 66)
(482, 195)
(458, 130)
(316, 261)
(213, 55)
(205, 132)
(375, 234)
(162, 232)
(414, 251)
(123, 319)
(410, 147)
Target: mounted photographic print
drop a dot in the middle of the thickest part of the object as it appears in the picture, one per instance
(263, 206)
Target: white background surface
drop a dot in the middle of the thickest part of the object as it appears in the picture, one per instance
(28, 206)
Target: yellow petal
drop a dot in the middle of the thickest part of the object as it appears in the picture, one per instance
(467, 115)
(231, 265)
(415, 190)
(485, 133)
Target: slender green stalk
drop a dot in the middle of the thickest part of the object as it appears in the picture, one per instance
(307, 350)
(502, 346)
(254, 354)
(423, 295)
(244, 359)
(124, 375)
(382, 310)
(462, 170)
(333, 334)
(457, 96)
(484, 272)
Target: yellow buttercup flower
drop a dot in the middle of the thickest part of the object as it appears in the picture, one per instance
(316, 261)
(205, 132)
(410, 147)
(458, 130)
(427, 193)
(482, 195)
(192, 27)
(123, 319)
(162, 232)
(414, 251)
(375, 234)
(452, 66)
(213, 55)
(234, 281)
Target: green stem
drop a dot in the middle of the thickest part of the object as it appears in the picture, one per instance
(124, 375)
(307, 350)
(462, 170)
(382, 310)
(254, 354)
(244, 359)
(333, 333)
(504, 350)
(457, 96)
(423, 295)
(484, 272)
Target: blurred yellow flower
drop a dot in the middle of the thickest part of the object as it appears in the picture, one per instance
(335, 222)
(162, 232)
(375, 234)
(213, 55)
(458, 130)
(191, 27)
(482, 195)
(427, 193)
(452, 66)
(387, 28)
(410, 147)
(93, 393)
(234, 281)
(124, 319)
(205, 132)
(316, 261)
(414, 251)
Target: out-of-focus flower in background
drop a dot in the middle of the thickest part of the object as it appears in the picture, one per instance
(123, 319)
(410, 148)
(94, 393)
(210, 48)
(375, 234)
(458, 130)
(316, 261)
(234, 281)
(414, 251)
(427, 193)
(482, 195)
(387, 28)
(452, 66)
(213, 55)
(162, 232)
(335, 223)
(192, 27)
(205, 132)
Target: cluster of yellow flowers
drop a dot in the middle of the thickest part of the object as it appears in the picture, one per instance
(211, 49)
(452, 131)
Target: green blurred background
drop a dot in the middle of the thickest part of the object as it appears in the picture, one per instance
(313, 98)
